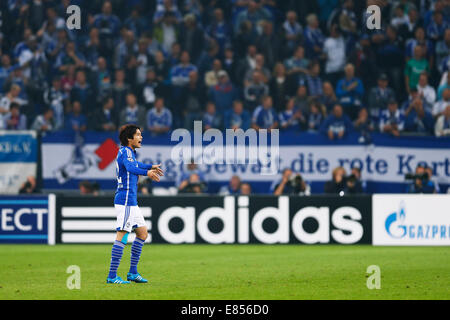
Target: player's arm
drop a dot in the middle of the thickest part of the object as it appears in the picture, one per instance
(130, 165)
(144, 165)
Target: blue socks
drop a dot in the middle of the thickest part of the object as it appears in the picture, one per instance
(136, 249)
(116, 256)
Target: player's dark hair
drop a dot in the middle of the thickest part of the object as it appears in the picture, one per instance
(126, 132)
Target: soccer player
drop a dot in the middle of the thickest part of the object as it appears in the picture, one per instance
(129, 216)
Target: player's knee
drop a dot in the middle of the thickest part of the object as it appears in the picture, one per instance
(143, 234)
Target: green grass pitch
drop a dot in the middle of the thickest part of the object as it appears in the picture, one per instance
(226, 272)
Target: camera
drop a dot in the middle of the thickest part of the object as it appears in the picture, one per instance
(296, 182)
(413, 176)
(352, 179)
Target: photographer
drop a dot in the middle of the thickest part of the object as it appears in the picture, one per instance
(292, 184)
(192, 185)
(29, 186)
(421, 181)
(353, 182)
(337, 184)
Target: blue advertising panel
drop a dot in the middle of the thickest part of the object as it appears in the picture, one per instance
(27, 219)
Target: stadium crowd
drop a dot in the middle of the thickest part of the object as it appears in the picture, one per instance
(296, 65)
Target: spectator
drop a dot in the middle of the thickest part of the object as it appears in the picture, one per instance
(337, 184)
(211, 118)
(224, 93)
(102, 78)
(415, 67)
(142, 61)
(314, 39)
(179, 74)
(248, 62)
(278, 86)
(238, 117)
(350, 91)
(445, 84)
(420, 40)
(219, 29)
(246, 189)
(88, 188)
(69, 57)
(167, 6)
(76, 121)
(417, 119)
(5, 103)
(337, 124)
(328, 98)
(264, 116)
(120, 89)
(106, 119)
(230, 64)
(439, 106)
(255, 13)
(159, 118)
(133, 113)
(316, 116)
(302, 99)
(166, 32)
(44, 122)
(150, 89)
(194, 98)
(254, 90)
(56, 98)
(192, 37)
(268, 44)
(14, 120)
(390, 58)
(292, 32)
(392, 120)
(426, 91)
(109, 26)
(442, 127)
(297, 65)
(68, 79)
(313, 80)
(5, 71)
(212, 76)
(335, 55)
(292, 118)
(379, 97)
(364, 126)
(82, 90)
(442, 51)
(400, 18)
(233, 187)
(437, 27)
(259, 66)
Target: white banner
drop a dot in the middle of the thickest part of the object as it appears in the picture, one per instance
(409, 219)
(63, 161)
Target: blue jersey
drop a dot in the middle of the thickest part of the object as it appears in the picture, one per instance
(128, 170)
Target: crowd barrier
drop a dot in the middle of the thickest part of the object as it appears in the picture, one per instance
(381, 219)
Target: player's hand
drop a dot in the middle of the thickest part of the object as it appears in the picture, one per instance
(157, 169)
(153, 175)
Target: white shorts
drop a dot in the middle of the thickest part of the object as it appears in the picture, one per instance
(129, 218)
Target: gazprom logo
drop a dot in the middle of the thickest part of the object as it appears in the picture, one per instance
(397, 228)
(395, 223)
